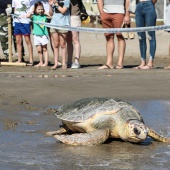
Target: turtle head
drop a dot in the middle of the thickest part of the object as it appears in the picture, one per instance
(136, 131)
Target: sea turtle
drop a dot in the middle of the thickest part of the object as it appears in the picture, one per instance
(94, 120)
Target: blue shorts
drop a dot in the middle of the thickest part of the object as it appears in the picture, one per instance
(22, 29)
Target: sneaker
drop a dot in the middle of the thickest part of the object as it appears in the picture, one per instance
(75, 65)
(69, 65)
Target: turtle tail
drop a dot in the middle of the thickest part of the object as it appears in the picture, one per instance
(156, 136)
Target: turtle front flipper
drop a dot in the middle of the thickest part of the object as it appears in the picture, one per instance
(156, 136)
(91, 138)
(60, 131)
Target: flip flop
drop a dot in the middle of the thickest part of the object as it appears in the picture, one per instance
(104, 67)
(147, 67)
(137, 68)
(119, 67)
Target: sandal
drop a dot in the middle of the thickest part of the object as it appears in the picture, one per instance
(119, 67)
(147, 67)
(105, 67)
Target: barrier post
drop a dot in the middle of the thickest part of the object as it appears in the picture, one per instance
(9, 36)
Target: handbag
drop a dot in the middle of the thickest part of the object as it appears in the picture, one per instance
(132, 6)
(83, 14)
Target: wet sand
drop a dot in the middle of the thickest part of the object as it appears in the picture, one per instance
(29, 97)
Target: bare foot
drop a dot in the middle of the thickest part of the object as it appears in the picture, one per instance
(54, 67)
(18, 61)
(147, 67)
(138, 67)
(38, 65)
(44, 65)
(64, 66)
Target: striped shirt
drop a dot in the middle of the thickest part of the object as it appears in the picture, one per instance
(114, 6)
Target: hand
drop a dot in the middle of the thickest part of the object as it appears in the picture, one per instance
(8, 10)
(126, 20)
(50, 2)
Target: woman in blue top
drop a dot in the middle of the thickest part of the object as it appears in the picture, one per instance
(40, 32)
(61, 17)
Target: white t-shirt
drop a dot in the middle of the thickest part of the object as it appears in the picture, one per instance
(44, 2)
(21, 9)
(167, 21)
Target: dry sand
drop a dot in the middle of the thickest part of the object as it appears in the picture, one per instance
(46, 87)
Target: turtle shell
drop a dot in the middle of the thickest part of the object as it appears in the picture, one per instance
(86, 108)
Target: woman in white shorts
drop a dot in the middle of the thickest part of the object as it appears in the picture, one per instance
(73, 42)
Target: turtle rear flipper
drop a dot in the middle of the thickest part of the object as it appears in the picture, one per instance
(91, 138)
(156, 136)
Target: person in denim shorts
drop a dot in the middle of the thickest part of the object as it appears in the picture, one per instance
(22, 27)
(146, 16)
(113, 14)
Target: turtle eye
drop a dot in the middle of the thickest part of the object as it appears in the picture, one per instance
(136, 131)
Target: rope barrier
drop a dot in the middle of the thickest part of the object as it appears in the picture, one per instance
(105, 30)
(102, 30)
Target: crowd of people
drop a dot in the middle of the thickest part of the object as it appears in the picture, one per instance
(67, 13)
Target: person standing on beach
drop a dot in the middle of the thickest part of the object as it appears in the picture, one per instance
(167, 22)
(59, 10)
(73, 42)
(22, 27)
(113, 14)
(40, 32)
(146, 16)
(4, 27)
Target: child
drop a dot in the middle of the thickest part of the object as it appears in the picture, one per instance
(40, 32)
(61, 17)
(22, 27)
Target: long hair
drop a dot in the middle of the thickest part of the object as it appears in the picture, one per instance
(36, 5)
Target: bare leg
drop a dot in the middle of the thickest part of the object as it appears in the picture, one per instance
(63, 48)
(168, 67)
(110, 46)
(55, 42)
(45, 52)
(30, 49)
(40, 54)
(19, 46)
(51, 44)
(121, 51)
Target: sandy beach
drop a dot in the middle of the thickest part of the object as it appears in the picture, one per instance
(29, 97)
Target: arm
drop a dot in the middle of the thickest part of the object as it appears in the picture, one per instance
(60, 9)
(127, 14)
(100, 6)
(29, 14)
(50, 8)
(48, 15)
